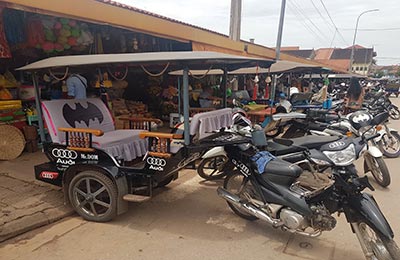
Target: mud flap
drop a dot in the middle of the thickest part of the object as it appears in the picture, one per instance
(122, 187)
(367, 209)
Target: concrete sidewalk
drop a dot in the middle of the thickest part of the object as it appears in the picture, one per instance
(24, 203)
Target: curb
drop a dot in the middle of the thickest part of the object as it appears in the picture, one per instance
(36, 220)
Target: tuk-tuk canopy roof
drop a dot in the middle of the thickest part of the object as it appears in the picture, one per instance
(280, 66)
(175, 60)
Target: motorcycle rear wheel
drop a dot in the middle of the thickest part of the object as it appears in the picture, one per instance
(381, 247)
(390, 145)
(378, 168)
(237, 184)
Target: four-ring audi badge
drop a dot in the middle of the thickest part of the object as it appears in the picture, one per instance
(64, 154)
(336, 144)
(156, 161)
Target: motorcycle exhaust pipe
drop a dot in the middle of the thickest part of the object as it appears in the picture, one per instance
(249, 208)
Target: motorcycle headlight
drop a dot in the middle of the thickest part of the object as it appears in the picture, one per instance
(366, 131)
(343, 157)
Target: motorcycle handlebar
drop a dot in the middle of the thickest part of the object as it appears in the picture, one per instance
(372, 137)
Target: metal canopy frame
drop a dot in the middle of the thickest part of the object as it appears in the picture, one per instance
(176, 60)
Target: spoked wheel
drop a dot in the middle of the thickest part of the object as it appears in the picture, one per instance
(376, 246)
(394, 113)
(239, 185)
(93, 196)
(213, 168)
(378, 168)
(390, 144)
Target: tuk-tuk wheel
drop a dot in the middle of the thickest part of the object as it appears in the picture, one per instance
(93, 196)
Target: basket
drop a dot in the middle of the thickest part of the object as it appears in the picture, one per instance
(12, 142)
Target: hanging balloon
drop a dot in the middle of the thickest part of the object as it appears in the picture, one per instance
(72, 23)
(57, 26)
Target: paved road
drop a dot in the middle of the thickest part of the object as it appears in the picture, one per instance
(188, 220)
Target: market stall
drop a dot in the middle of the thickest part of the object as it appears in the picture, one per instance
(164, 60)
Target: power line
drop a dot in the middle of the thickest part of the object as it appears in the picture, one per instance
(372, 29)
(334, 35)
(308, 18)
(326, 10)
(309, 28)
(323, 17)
(302, 13)
(388, 58)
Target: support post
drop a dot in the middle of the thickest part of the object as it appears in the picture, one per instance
(278, 46)
(186, 105)
(224, 87)
(38, 107)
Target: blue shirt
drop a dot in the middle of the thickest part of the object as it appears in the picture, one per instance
(76, 85)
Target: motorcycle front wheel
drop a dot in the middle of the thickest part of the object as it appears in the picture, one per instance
(212, 168)
(390, 144)
(375, 246)
(239, 185)
(378, 168)
(394, 113)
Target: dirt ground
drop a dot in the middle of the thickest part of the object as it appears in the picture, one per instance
(187, 220)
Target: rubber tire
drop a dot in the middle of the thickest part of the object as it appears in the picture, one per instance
(234, 209)
(390, 155)
(394, 113)
(384, 171)
(202, 174)
(113, 193)
(389, 244)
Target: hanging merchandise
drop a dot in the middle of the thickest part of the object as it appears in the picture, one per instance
(35, 32)
(54, 35)
(267, 81)
(4, 48)
(15, 33)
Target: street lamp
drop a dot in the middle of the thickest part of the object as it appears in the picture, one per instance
(354, 38)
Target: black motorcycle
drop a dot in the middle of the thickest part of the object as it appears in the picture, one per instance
(302, 202)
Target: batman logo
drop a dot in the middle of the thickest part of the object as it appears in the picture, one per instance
(361, 118)
(80, 113)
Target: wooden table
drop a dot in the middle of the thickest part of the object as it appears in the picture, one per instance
(259, 115)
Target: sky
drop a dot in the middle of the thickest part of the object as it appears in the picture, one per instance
(307, 23)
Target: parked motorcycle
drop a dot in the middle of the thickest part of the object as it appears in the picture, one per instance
(361, 123)
(379, 102)
(280, 193)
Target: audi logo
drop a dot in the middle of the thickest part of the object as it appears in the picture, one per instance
(336, 144)
(64, 154)
(156, 161)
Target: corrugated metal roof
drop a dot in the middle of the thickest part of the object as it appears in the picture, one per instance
(175, 60)
(307, 54)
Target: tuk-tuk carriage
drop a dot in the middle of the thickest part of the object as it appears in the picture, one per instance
(86, 153)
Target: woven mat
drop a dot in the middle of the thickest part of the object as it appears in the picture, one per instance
(12, 142)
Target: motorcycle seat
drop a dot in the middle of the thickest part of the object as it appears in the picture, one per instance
(341, 129)
(280, 149)
(309, 141)
(281, 167)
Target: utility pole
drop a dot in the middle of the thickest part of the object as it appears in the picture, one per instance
(235, 22)
(278, 46)
(354, 38)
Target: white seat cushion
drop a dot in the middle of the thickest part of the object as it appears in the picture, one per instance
(123, 144)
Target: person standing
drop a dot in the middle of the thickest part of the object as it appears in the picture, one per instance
(354, 97)
(77, 86)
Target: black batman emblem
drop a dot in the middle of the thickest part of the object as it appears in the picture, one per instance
(79, 114)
